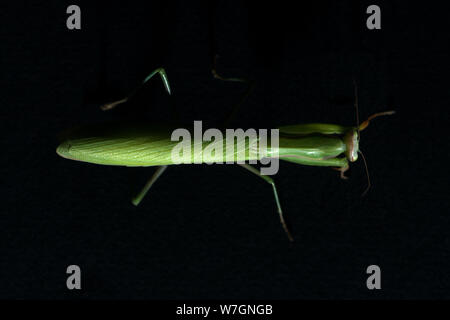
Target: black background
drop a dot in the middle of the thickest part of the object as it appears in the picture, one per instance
(213, 231)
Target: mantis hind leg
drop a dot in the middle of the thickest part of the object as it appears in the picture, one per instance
(164, 79)
(275, 193)
(250, 86)
(138, 198)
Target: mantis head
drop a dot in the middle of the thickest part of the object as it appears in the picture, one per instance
(351, 138)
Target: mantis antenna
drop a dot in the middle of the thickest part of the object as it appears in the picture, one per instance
(359, 135)
(367, 173)
(356, 104)
(365, 124)
(361, 127)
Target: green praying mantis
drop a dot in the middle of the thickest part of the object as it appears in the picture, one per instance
(142, 144)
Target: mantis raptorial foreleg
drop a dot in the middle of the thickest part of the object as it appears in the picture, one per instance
(342, 171)
(164, 79)
(138, 198)
(277, 200)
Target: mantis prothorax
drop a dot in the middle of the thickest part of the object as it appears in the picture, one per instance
(141, 144)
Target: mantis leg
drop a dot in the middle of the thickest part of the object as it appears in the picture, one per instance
(138, 198)
(164, 79)
(244, 96)
(342, 171)
(272, 183)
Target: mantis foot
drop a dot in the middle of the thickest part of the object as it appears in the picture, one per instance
(342, 171)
